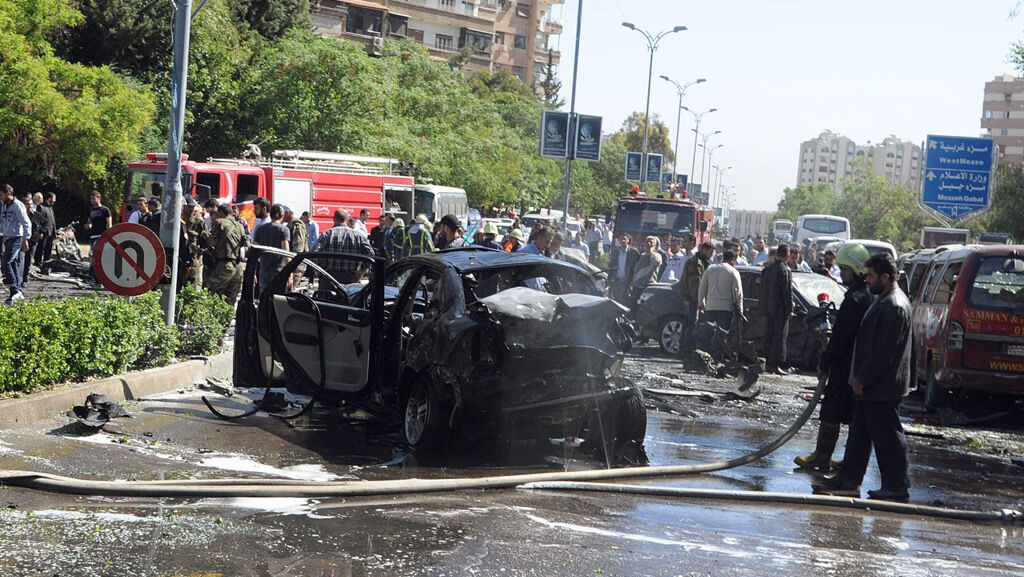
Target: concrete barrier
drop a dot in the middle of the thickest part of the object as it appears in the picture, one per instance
(28, 410)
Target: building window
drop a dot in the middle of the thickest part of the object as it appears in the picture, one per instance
(522, 10)
(499, 38)
(416, 35)
(519, 41)
(503, 5)
(480, 41)
(362, 21)
(447, 3)
(444, 42)
(398, 26)
(519, 72)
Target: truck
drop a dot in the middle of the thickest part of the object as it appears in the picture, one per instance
(641, 216)
(313, 181)
(936, 236)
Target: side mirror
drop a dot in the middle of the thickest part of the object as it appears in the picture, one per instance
(704, 225)
(201, 191)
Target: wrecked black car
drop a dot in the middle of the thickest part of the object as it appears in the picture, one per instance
(458, 344)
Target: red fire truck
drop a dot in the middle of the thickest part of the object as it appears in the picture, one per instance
(641, 216)
(318, 182)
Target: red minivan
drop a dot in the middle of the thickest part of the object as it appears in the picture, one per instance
(969, 322)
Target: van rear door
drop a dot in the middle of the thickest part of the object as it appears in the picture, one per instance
(994, 315)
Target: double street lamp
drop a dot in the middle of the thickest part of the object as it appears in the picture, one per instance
(716, 191)
(697, 116)
(652, 47)
(680, 90)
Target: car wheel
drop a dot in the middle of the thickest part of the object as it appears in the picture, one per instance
(631, 420)
(934, 395)
(670, 334)
(423, 421)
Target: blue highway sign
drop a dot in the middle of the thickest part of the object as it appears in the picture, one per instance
(958, 176)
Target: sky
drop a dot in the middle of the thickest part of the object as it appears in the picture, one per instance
(783, 71)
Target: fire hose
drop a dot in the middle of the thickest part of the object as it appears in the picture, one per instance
(567, 480)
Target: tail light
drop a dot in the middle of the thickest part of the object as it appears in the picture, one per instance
(955, 337)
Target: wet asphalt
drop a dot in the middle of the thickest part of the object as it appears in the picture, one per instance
(499, 532)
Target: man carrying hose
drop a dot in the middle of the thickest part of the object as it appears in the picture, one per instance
(837, 406)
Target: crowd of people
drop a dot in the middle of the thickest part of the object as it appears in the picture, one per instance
(27, 230)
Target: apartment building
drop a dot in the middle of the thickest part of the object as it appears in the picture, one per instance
(512, 34)
(752, 222)
(831, 157)
(1003, 116)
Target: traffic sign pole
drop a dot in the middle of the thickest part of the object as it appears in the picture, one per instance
(567, 182)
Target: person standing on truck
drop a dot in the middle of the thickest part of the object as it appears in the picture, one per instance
(225, 277)
(837, 406)
(880, 377)
(777, 303)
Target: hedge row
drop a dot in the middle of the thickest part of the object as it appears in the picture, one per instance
(43, 342)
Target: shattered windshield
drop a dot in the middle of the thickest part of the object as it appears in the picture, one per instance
(998, 284)
(810, 285)
(551, 279)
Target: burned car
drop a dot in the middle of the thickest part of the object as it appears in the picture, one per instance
(457, 344)
(660, 306)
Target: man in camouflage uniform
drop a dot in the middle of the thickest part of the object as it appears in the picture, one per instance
(299, 243)
(195, 228)
(226, 238)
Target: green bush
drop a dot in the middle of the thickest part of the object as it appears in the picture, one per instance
(43, 342)
(201, 319)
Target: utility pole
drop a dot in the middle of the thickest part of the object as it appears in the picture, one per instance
(652, 46)
(571, 130)
(170, 218)
(681, 90)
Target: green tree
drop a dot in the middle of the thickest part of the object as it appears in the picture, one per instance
(878, 209)
(657, 136)
(59, 119)
(550, 86)
(1007, 213)
(272, 18)
(813, 199)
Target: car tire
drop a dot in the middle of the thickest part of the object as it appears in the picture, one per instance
(631, 420)
(669, 335)
(935, 396)
(423, 417)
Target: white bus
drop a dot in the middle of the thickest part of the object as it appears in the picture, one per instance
(781, 229)
(816, 225)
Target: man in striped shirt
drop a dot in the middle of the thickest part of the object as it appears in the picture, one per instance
(343, 239)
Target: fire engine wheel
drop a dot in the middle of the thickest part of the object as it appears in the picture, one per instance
(423, 420)
(670, 334)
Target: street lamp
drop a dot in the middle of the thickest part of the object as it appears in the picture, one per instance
(711, 152)
(718, 184)
(681, 90)
(703, 155)
(652, 46)
(697, 116)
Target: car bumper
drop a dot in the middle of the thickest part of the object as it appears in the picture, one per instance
(984, 381)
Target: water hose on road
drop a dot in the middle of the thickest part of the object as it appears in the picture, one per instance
(1007, 516)
(562, 480)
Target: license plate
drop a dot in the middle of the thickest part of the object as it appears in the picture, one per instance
(1015, 350)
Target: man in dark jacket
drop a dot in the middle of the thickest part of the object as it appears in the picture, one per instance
(880, 378)
(837, 406)
(777, 304)
(693, 270)
(45, 246)
(621, 266)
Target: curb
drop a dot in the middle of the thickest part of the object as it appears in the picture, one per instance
(23, 412)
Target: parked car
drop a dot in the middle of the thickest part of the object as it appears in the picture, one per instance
(659, 314)
(872, 246)
(969, 323)
(462, 343)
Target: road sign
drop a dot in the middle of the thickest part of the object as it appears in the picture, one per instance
(653, 167)
(588, 138)
(128, 259)
(554, 134)
(958, 176)
(634, 160)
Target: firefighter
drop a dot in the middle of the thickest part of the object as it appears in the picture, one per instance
(394, 243)
(226, 277)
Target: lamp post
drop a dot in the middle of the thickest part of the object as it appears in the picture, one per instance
(706, 156)
(680, 90)
(571, 133)
(652, 47)
(697, 116)
(718, 184)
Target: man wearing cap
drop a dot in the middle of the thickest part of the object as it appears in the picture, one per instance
(448, 233)
(395, 243)
(195, 228)
(837, 406)
(490, 232)
(226, 238)
(419, 237)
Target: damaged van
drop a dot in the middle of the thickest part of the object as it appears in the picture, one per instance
(462, 343)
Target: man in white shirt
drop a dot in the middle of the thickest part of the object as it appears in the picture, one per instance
(832, 267)
(141, 209)
(720, 296)
(760, 257)
(261, 207)
(359, 224)
(676, 260)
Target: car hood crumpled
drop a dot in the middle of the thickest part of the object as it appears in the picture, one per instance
(533, 319)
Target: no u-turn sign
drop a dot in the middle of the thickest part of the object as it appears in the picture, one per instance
(128, 259)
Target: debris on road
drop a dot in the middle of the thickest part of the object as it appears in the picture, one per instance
(97, 411)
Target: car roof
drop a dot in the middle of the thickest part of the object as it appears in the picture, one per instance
(469, 260)
(984, 250)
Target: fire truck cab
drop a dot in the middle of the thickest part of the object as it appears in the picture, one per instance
(317, 182)
(641, 216)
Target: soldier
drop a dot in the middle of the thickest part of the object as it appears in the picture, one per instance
(195, 228)
(226, 277)
(299, 243)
